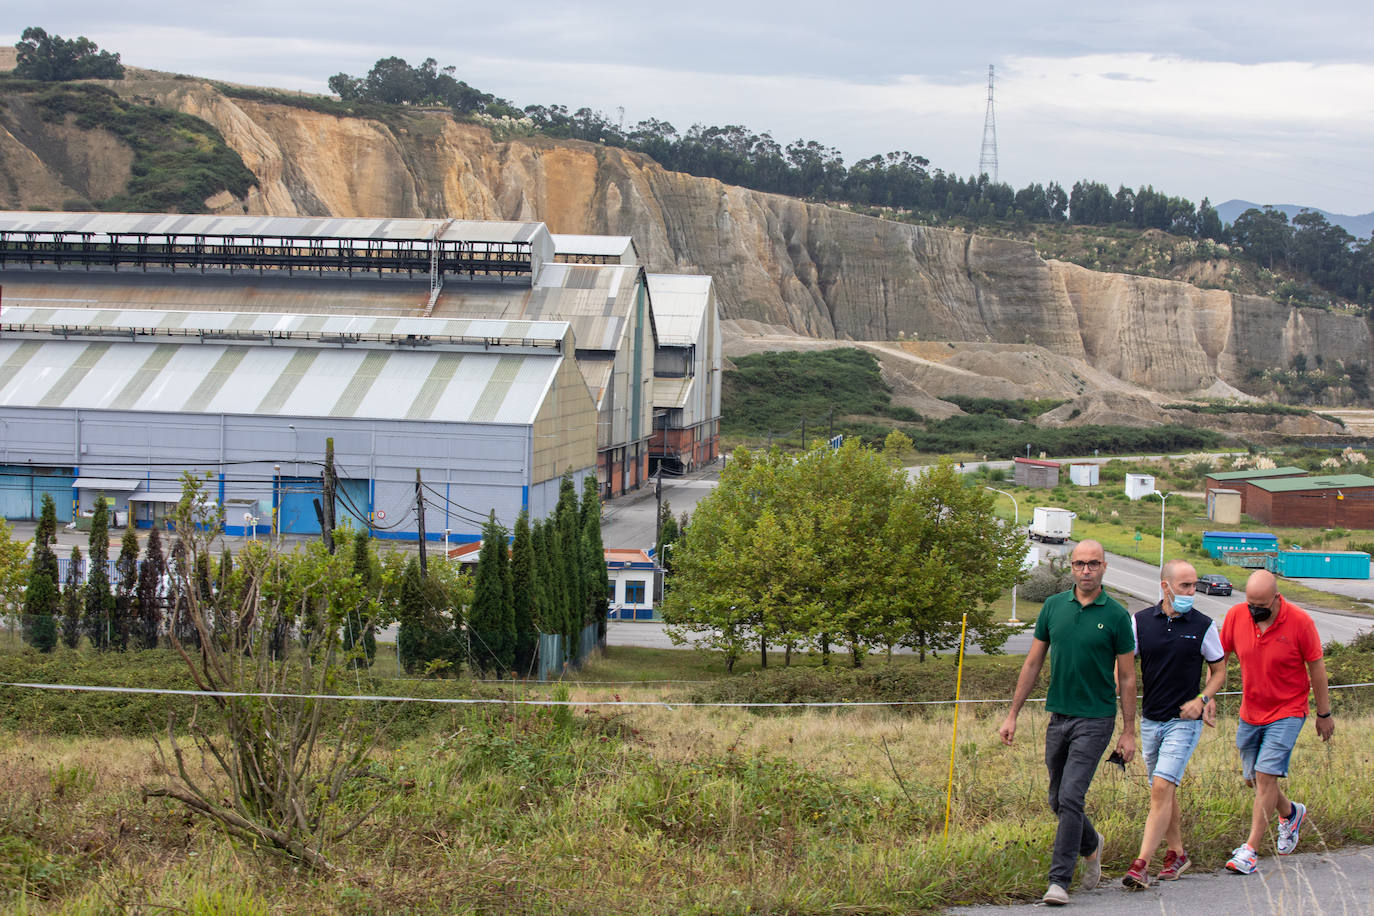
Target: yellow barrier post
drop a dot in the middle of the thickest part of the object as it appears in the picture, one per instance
(954, 739)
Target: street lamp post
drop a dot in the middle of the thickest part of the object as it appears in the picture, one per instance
(1016, 523)
(1163, 497)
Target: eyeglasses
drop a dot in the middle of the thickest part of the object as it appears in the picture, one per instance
(1090, 565)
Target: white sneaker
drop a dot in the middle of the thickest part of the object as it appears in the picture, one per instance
(1289, 827)
(1055, 896)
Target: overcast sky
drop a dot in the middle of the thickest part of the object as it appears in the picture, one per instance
(1258, 100)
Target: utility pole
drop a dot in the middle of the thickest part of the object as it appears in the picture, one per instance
(330, 482)
(803, 447)
(420, 516)
(987, 161)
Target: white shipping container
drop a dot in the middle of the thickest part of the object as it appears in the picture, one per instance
(1138, 486)
(1084, 475)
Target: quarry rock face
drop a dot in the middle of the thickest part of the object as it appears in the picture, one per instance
(781, 265)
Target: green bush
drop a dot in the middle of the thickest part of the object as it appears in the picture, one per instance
(179, 160)
(1047, 579)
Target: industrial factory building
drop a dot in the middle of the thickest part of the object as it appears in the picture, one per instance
(134, 347)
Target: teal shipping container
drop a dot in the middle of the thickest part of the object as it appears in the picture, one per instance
(1318, 564)
(1214, 542)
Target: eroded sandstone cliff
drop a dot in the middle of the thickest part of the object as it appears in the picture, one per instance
(781, 265)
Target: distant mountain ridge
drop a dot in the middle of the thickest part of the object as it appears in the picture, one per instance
(1359, 226)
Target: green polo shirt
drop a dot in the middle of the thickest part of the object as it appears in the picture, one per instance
(1085, 640)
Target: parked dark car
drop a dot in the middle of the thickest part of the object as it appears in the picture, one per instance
(1214, 585)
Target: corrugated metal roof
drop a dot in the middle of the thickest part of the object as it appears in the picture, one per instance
(280, 380)
(596, 300)
(601, 246)
(249, 323)
(680, 303)
(672, 392)
(1254, 474)
(1328, 482)
(270, 226)
(244, 291)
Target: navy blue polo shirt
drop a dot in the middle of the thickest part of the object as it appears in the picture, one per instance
(1172, 650)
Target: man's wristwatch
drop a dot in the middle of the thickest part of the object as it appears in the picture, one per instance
(1204, 698)
(1323, 715)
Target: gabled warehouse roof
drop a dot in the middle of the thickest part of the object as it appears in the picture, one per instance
(280, 380)
(680, 303)
(614, 249)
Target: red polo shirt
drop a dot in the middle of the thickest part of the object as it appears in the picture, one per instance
(1273, 664)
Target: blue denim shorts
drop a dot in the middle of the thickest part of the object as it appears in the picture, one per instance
(1168, 746)
(1267, 747)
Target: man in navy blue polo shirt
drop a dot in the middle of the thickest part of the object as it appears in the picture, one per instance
(1172, 641)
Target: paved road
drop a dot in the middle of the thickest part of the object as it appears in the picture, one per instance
(1338, 881)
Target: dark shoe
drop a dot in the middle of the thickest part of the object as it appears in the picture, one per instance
(1175, 864)
(1138, 878)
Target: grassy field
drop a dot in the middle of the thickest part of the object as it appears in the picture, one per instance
(646, 809)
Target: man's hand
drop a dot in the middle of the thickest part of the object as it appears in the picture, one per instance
(1193, 709)
(1125, 745)
(1326, 727)
(1008, 730)
(1209, 715)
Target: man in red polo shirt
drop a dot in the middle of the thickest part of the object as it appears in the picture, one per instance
(1280, 658)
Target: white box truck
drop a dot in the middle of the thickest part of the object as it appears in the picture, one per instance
(1052, 525)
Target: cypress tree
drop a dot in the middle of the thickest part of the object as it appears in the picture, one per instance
(490, 620)
(99, 600)
(524, 608)
(358, 625)
(555, 588)
(507, 604)
(148, 598)
(570, 553)
(594, 556)
(73, 601)
(127, 568)
(41, 596)
(411, 636)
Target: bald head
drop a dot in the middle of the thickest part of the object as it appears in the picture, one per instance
(1088, 563)
(1176, 571)
(1261, 588)
(1087, 550)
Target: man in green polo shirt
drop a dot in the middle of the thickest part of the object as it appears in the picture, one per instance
(1090, 635)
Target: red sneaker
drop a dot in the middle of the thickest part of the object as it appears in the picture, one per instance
(1138, 877)
(1175, 864)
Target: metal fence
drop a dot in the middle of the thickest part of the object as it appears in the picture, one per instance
(550, 662)
(63, 563)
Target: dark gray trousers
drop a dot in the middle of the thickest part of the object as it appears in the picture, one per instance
(1073, 749)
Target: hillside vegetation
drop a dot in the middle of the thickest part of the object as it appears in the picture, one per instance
(179, 161)
(769, 397)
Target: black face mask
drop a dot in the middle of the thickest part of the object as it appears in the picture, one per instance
(1260, 614)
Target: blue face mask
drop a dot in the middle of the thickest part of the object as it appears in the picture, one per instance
(1182, 603)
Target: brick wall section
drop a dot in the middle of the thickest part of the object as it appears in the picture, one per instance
(1313, 510)
(1244, 487)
